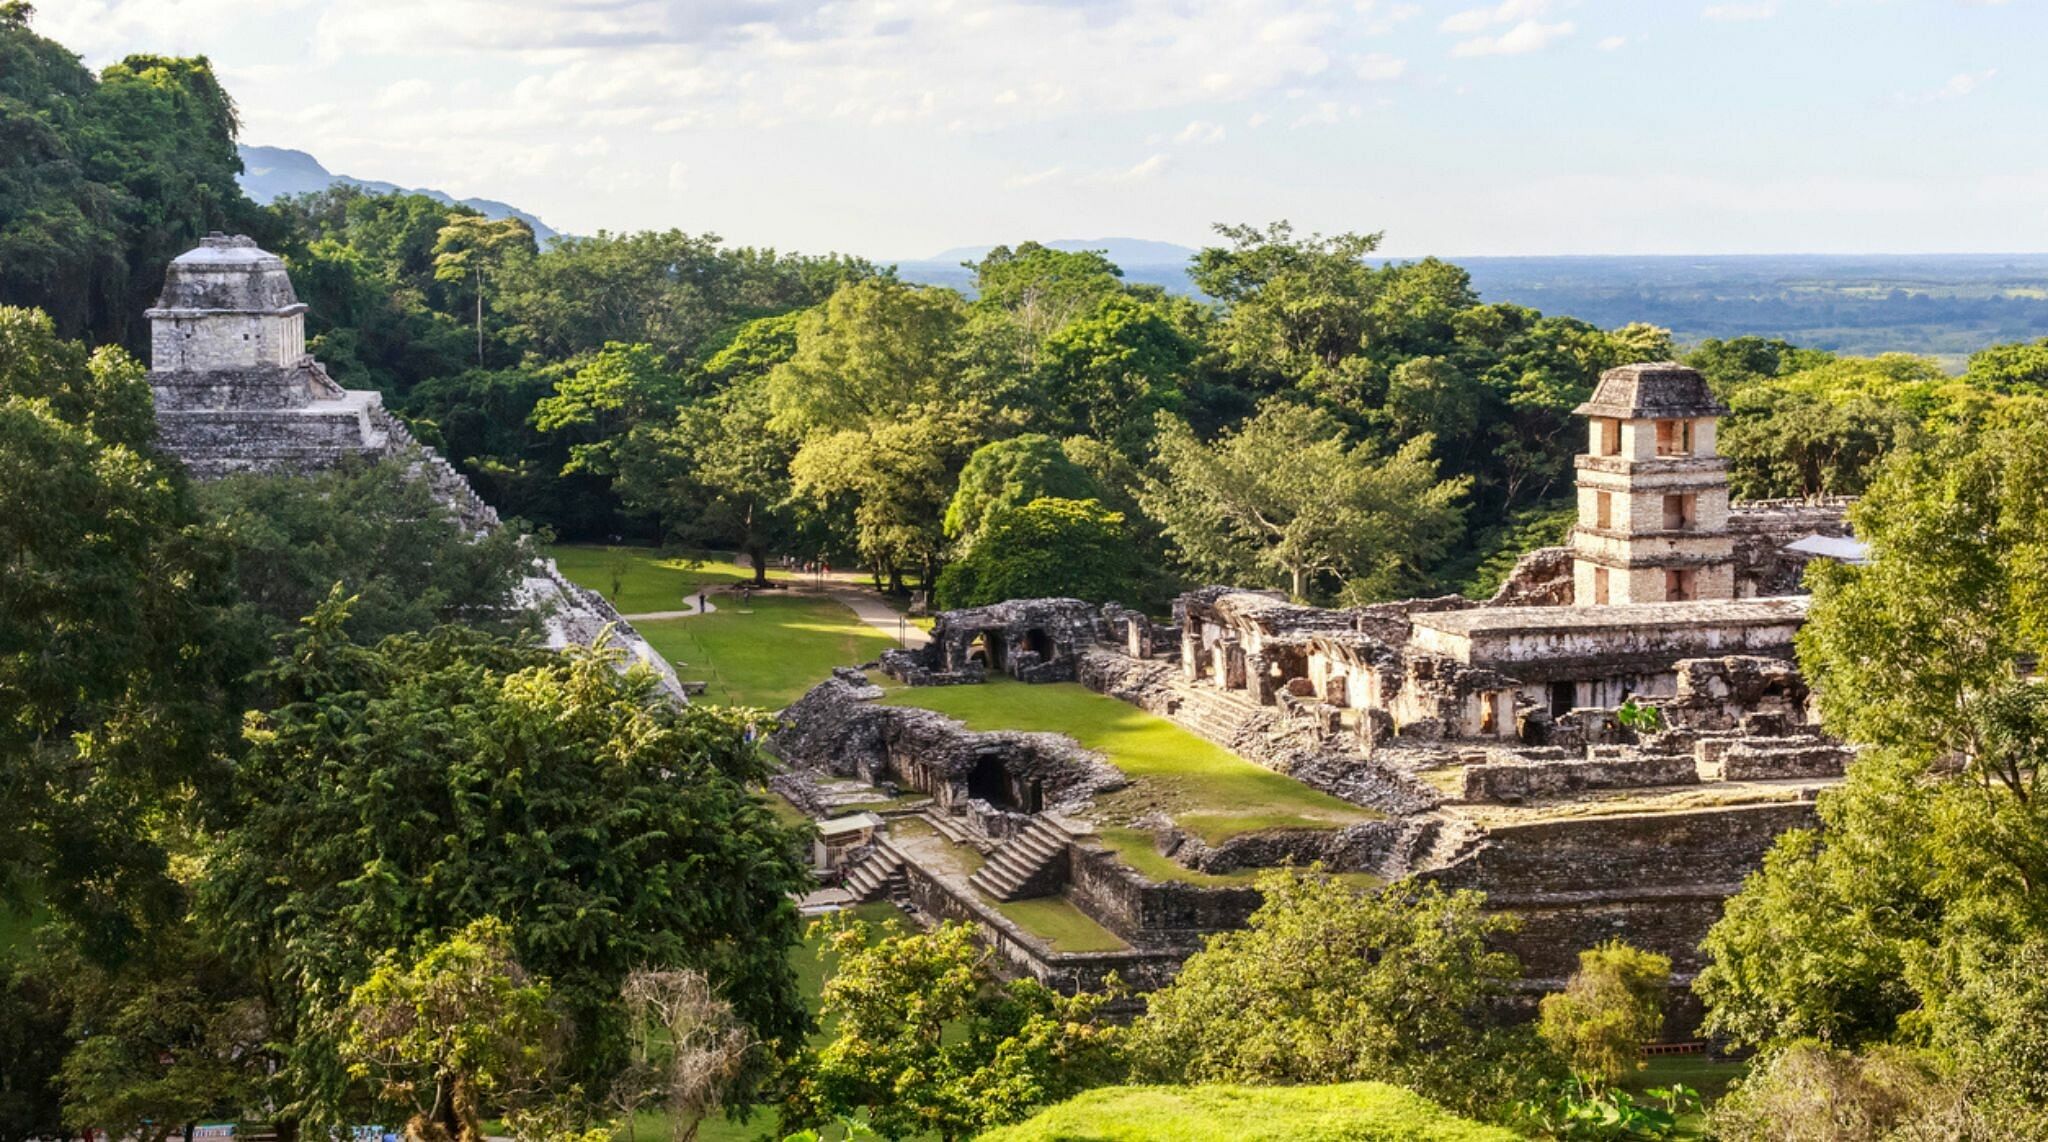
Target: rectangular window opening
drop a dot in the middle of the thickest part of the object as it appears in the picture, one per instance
(1681, 586)
(1680, 512)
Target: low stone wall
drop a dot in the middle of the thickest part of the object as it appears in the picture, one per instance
(1626, 855)
(1743, 761)
(838, 728)
(1165, 914)
(1364, 847)
(1142, 969)
(1552, 932)
(1517, 781)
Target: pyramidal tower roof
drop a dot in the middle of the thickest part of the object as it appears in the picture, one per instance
(1659, 390)
(226, 274)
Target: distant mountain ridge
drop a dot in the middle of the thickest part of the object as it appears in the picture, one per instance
(271, 172)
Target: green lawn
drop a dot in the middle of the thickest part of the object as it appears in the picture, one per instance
(1059, 923)
(765, 653)
(1353, 1112)
(1209, 790)
(654, 580)
(768, 653)
(1700, 1072)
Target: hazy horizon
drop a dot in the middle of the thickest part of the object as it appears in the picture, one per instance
(1518, 128)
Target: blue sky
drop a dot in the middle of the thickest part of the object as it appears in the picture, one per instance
(895, 129)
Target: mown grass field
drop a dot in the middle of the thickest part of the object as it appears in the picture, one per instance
(764, 653)
(651, 580)
(1065, 927)
(1207, 789)
(1352, 1112)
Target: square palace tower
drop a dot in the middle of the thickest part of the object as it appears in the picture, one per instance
(1653, 493)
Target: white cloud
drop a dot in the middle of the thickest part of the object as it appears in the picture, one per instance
(1148, 168)
(1506, 12)
(1958, 86)
(1736, 13)
(678, 178)
(1527, 36)
(1256, 119)
(1200, 131)
(1378, 67)
(1035, 178)
(1613, 43)
(401, 93)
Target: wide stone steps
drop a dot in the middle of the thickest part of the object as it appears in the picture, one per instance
(1020, 868)
(944, 825)
(878, 876)
(1222, 716)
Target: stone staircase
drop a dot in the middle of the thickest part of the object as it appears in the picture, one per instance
(1225, 717)
(878, 876)
(944, 825)
(1032, 863)
(1434, 842)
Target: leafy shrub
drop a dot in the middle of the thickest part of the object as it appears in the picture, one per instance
(1609, 1009)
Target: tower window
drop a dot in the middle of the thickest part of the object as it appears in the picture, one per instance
(1603, 509)
(1607, 436)
(1680, 513)
(1674, 438)
(1681, 585)
(1600, 586)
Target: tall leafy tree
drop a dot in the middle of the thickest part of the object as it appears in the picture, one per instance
(1327, 985)
(1918, 914)
(927, 1039)
(474, 250)
(1009, 474)
(1286, 500)
(103, 181)
(1049, 547)
(405, 789)
(376, 530)
(116, 675)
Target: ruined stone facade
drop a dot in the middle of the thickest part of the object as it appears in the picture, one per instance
(1484, 735)
(236, 392)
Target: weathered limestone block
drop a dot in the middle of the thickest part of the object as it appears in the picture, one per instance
(1745, 761)
(1513, 782)
(838, 728)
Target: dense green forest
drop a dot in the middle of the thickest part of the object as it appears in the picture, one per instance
(301, 826)
(1326, 425)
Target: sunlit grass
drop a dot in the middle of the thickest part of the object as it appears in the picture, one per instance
(1057, 921)
(652, 580)
(1219, 793)
(767, 653)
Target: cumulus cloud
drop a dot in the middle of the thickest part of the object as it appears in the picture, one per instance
(1148, 168)
(1527, 36)
(1200, 131)
(1035, 178)
(1958, 86)
(1379, 66)
(1737, 13)
(1613, 43)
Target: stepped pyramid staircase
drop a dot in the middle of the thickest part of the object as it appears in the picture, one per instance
(1028, 864)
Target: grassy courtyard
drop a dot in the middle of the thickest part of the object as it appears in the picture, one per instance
(763, 653)
(1205, 788)
(650, 579)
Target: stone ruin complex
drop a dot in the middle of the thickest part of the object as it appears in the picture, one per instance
(237, 392)
(1482, 740)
